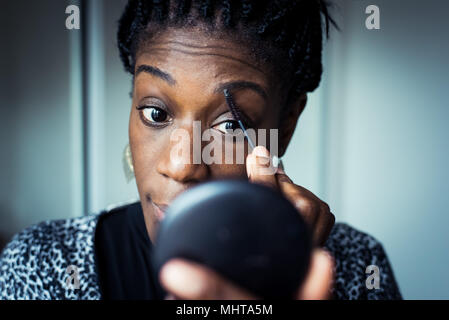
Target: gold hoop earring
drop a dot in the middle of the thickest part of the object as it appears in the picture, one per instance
(128, 167)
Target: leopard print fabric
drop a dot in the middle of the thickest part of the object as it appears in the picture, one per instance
(353, 252)
(34, 264)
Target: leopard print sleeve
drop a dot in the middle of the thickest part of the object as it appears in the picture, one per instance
(354, 252)
(34, 263)
(18, 270)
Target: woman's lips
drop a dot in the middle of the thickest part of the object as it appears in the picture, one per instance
(159, 211)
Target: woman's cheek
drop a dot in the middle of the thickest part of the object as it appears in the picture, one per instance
(226, 171)
(143, 149)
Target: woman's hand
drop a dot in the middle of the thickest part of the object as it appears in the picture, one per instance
(314, 211)
(187, 280)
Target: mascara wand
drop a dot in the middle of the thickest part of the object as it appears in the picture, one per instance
(277, 162)
(236, 114)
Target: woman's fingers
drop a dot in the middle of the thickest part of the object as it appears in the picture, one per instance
(324, 225)
(191, 281)
(305, 204)
(318, 282)
(315, 212)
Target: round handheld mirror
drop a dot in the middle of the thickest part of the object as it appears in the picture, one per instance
(248, 233)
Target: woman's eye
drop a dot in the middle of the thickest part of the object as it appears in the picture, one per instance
(227, 126)
(153, 114)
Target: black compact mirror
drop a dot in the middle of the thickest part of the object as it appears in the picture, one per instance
(248, 233)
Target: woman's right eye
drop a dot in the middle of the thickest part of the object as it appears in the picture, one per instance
(153, 115)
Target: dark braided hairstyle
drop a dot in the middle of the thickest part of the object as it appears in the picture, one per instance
(285, 33)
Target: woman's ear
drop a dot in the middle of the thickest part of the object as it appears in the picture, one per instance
(288, 121)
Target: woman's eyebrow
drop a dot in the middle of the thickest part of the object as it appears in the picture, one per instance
(236, 85)
(231, 85)
(156, 72)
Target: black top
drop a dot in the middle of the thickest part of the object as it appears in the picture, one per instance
(123, 256)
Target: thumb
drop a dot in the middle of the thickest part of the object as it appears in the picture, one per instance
(318, 282)
(259, 167)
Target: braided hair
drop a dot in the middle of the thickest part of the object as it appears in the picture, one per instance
(287, 33)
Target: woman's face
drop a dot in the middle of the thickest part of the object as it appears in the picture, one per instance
(179, 79)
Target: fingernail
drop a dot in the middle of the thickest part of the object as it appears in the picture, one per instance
(262, 157)
(261, 151)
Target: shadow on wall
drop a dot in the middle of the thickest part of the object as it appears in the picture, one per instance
(12, 222)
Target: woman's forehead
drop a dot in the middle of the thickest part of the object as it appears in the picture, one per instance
(188, 46)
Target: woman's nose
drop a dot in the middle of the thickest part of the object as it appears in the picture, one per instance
(179, 163)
